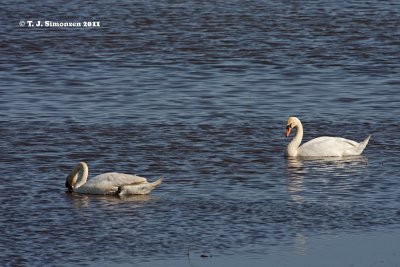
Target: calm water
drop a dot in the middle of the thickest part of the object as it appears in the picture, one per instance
(198, 92)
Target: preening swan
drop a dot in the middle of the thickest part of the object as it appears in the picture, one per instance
(108, 183)
(322, 146)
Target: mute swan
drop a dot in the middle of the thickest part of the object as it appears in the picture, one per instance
(108, 183)
(321, 146)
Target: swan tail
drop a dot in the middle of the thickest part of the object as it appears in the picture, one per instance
(363, 145)
(156, 183)
(138, 189)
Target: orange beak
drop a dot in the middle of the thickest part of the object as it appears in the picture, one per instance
(288, 130)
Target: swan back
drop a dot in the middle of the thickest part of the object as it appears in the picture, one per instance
(115, 179)
(332, 147)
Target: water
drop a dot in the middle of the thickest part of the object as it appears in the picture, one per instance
(198, 92)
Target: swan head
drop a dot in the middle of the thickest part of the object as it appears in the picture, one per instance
(71, 182)
(291, 123)
(68, 186)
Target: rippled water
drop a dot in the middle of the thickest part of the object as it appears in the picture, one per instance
(198, 92)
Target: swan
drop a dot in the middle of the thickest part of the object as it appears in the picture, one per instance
(108, 183)
(322, 146)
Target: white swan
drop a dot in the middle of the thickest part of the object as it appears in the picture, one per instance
(321, 146)
(108, 183)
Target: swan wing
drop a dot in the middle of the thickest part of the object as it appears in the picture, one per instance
(327, 146)
(138, 189)
(108, 183)
(116, 179)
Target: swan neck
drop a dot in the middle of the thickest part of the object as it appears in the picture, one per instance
(299, 134)
(85, 174)
(292, 149)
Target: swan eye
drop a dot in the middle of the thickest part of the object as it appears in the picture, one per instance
(288, 127)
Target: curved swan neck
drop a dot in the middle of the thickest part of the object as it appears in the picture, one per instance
(293, 146)
(85, 173)
(72, 179)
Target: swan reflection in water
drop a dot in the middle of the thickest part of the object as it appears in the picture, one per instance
(325, 170)
(109, 201)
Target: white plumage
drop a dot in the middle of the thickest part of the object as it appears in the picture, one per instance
(108, 183)
(322, 146)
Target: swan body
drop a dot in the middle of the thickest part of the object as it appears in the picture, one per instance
(108, 183)
(325, 146)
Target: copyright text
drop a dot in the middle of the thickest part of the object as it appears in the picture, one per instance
(59, 24)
